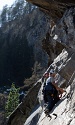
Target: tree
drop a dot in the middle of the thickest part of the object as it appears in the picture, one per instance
(13, 100)
(4, 14)
(28, 7)
(17, 9)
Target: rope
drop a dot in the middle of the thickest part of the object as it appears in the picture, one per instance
(71, 79)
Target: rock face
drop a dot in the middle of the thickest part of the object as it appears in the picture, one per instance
(57, 37)
(3, 99)
(39, 26)
(22, 112)
(65, 114)
(64, 65)
(54, 8)
(65, 107)
(66, 29)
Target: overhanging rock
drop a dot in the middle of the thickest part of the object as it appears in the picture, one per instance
(54, 8)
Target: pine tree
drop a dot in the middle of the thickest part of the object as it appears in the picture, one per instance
(13, 100)
(4, 15)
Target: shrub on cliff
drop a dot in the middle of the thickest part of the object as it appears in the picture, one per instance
(13, 100)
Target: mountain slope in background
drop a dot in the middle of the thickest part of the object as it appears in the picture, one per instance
(18, 42)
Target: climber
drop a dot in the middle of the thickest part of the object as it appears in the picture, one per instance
(45, 76)
(51, 91)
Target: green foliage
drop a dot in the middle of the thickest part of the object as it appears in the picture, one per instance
(13, 100)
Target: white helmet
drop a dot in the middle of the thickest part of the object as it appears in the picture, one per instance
(52, 71)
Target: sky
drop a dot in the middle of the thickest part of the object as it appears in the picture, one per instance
(4, 2)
